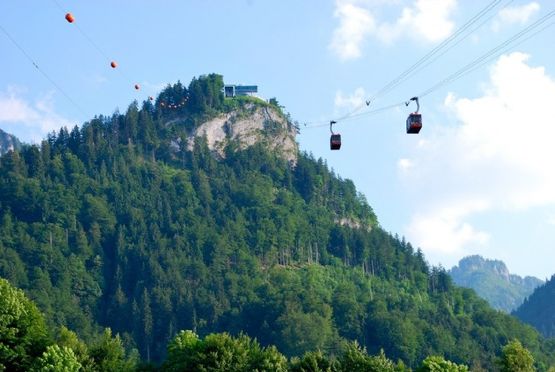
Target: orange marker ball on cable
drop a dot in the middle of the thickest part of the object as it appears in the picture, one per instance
(113, 64)
(70, 18)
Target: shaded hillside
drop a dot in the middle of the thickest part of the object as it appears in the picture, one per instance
(492, 281)
(538, 309)
(8, 142)
(130, 222)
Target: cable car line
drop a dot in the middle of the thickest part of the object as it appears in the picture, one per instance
(418, 65)
(113, 64)
(46, 76)
(414, 120)
(490, 55)
(460, 40)
(478, 62)
(409, 72)
(321, 124)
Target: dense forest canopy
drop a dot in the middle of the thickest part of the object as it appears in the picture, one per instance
(119, 224)
(538, 309)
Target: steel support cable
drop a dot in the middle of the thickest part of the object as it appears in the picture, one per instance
(491, 54)
(510, 47)
(477, 63)
(456, 43)
(405, 75)
(93, 44)
(409, 72)
(43, 73)
(360, 114)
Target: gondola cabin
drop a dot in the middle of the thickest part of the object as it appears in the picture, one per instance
(335, 141)
(414, 123)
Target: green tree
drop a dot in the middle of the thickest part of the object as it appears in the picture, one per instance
(221, 352)
(313, 361)
(355, 358)
(23, 334)
(109, 354)
(68, 339)
(516, 358)
(57, 359)
(438, 364)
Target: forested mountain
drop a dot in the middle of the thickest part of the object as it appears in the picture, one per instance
(8, 142)
(492, 281)
(133, 223)
(539, 309)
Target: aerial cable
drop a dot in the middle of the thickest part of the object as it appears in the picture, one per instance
(416, 67)
(475, 64)
(409, 72)
(35, 64)
(319, 124)
(450, 47)
(111, 62)
(491, 54)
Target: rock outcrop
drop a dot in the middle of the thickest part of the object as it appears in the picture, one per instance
(250, 125)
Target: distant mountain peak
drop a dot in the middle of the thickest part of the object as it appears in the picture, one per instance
(492, 280)
(8, 142)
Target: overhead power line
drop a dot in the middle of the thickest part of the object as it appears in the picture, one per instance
(40, 70)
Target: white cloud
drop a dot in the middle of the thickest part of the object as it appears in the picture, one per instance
(404, 164)
(356, 99)
(355, 23)
(443, 230)
(515, 14)
(427, 20)
(29, 122)
(498, 157)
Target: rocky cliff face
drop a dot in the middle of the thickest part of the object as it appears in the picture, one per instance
(492, 281)
(251, 125)
(8, 142)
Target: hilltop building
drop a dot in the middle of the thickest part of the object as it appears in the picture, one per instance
(232, 90)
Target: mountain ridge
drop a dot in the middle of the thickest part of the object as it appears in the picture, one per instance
(538, 309)
(492, 280)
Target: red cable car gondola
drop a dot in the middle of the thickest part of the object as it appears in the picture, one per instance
(414, 120)
(335, 138)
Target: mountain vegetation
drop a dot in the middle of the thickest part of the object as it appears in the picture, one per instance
(8, 142)
(538, 309)
(27, 345)
(131, 224)
(492, 281)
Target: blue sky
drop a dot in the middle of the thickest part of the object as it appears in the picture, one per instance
(477, 179)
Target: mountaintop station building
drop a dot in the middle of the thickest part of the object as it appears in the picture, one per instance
(231, 90)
